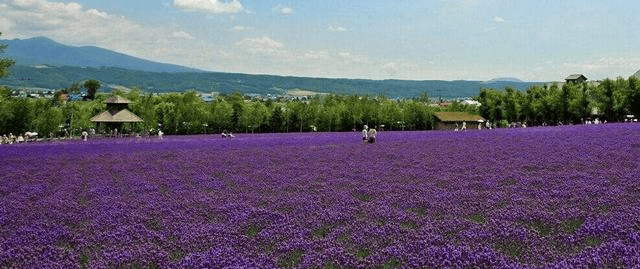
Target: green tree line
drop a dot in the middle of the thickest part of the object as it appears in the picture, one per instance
(609, 100)
(188, 113)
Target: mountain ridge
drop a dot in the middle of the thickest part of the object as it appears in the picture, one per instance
(504, 79)
(57, 66)
(44, 51)
(62, 77)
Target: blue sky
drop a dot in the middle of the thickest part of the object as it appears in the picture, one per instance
(432, 39)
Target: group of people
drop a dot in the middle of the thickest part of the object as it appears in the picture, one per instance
(226, 134)
(12, 139)
(464, 126)
(369, 135)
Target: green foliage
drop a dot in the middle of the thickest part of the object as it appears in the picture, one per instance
(571, 103)
(634, 96)
(92, 87)
(252, 231)
(187, 113)
(572, 225)
(477, 217)
(363, 253)
(5, 63)
(392, 263)
(290, 259)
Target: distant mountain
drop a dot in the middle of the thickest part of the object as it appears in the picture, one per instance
(504, 79)
(41, 51)
(43, 63)
(637, 74)
(62, 77)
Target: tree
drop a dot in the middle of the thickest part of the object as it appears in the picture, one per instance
(634, 96)
(143, 106)
(551, 104)
(277, 119)
(390, 113)
(5, 63)
(92, 86)
(491, 105)
(49, 120)
(166, 116)
(614, 98)
(222, 115)
(534, 107)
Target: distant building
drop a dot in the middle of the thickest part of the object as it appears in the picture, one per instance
(116, 115)
(441, 104)
(576, 78)
(448, 120)
(470, 102)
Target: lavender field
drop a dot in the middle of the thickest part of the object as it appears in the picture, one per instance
(554, 197)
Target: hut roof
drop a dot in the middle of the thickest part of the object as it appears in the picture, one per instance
(117, 100)
(575, 77)
(457, 116)
(116, 116)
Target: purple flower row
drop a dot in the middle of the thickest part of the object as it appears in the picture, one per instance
(553, 197)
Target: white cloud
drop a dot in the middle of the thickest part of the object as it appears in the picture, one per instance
(6, 24)
(211, 6)
(284, 10)
(498, 19)
(390, 68)
(604, 67)
(95, 12)
(606, 63)
(241, 28)
(75, 25)
(182, 35)
(317, 55)
(261, 45)
(337, 29)
(348, 58)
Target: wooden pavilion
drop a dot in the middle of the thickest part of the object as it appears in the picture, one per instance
(116, 115)
(448, 120)
(576, 78)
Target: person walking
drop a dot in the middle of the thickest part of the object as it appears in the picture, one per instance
(365, 134)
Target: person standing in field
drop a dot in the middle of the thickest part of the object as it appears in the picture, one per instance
(464, 126)
(371, 135)
(84, 135)
(364, 134)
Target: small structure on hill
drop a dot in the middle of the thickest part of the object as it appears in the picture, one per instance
(448, 120)
(117, 115)
(576, 78)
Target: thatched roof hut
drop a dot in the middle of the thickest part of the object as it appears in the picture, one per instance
(448, 120)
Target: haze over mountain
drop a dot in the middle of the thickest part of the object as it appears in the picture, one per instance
(637, 74)
(44, 51)
(43, 63)
(504, 79)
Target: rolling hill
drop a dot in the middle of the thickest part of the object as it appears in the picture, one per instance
(43, 63)
(41, 51)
